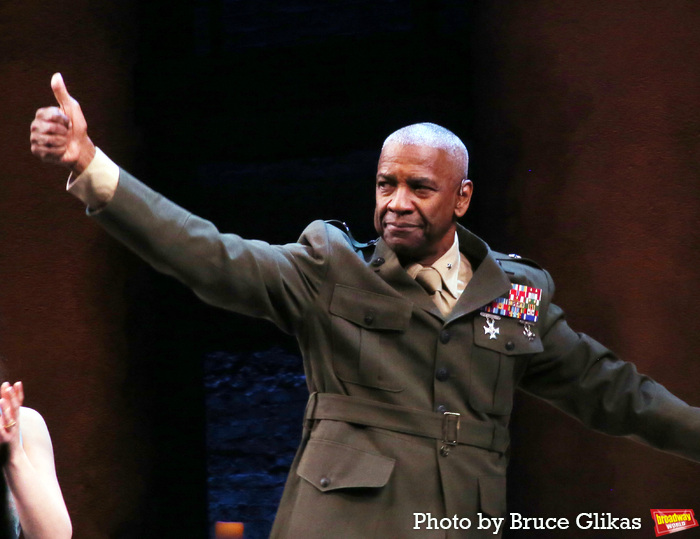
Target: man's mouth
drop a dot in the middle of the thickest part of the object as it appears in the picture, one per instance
(400, 225)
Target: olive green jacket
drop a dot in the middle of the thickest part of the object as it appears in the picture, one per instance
(369, 331)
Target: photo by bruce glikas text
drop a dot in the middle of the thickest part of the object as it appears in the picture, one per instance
(583, 521)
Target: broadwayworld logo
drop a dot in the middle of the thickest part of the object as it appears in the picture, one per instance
(673, 520)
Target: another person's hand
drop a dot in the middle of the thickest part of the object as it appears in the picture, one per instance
(29, 469)
(11, 398)
(59, 135)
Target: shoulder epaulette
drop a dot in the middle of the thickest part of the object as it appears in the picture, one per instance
(512, 257)
(356, 245)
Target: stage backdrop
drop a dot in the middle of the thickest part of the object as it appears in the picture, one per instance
(582, 122)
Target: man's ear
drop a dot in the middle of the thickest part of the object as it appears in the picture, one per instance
(464, 196)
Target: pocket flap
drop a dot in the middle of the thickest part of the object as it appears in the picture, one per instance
(492, 494)
(330, 466)
(510, 336)
(369, 309)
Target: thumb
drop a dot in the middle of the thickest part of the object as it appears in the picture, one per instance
(61, 93)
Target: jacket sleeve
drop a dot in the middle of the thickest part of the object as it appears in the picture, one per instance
(586, 380)
(251, 277)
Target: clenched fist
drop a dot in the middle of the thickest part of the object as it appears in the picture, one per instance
(59, 134)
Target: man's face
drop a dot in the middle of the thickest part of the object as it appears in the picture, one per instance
(419, 195)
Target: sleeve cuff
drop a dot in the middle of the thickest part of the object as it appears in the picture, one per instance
(97, 183)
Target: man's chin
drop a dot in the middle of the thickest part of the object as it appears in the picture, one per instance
(405, 248)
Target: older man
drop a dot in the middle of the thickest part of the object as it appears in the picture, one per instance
(412, 347)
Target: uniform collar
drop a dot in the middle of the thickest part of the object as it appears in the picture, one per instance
(448, 266)
(488, 282)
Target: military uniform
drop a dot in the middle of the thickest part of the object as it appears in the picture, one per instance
(383, 365)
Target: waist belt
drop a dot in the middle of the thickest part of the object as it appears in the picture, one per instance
(450, 428)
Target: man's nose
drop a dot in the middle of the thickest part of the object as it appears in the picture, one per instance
(401, 201)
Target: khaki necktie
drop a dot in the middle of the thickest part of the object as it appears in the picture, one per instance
(430, 279)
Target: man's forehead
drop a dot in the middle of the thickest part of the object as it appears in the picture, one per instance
(414, 156)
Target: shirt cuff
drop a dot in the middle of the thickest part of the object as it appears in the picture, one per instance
(97, 183)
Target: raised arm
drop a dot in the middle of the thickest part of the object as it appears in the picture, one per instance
(29, 471)
(250, 277)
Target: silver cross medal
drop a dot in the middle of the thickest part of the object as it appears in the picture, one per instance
(490, 329)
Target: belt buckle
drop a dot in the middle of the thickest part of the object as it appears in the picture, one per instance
(450, 432)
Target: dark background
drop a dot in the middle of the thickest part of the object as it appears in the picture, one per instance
(582, 124)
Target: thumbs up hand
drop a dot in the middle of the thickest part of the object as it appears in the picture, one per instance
(59, 135)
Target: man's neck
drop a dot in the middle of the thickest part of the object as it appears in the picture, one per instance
(429, 259)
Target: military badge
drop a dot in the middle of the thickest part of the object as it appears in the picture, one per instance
(527, 330)
(522, 303)
(490, 329)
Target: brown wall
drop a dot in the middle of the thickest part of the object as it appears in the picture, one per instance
(61, 302)
(597, 108)
(599, 103)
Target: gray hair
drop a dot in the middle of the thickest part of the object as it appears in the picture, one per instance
(434, 136)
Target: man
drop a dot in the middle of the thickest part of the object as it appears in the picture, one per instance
(412, 349)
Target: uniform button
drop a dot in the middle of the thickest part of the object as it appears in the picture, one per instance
(441, 409)
(442, 374)
(510, 346)
(445, 336)
(369, 318)
(378, 262)
(324, 482)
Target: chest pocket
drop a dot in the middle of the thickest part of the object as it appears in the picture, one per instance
(496, 362)
(367, 332)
